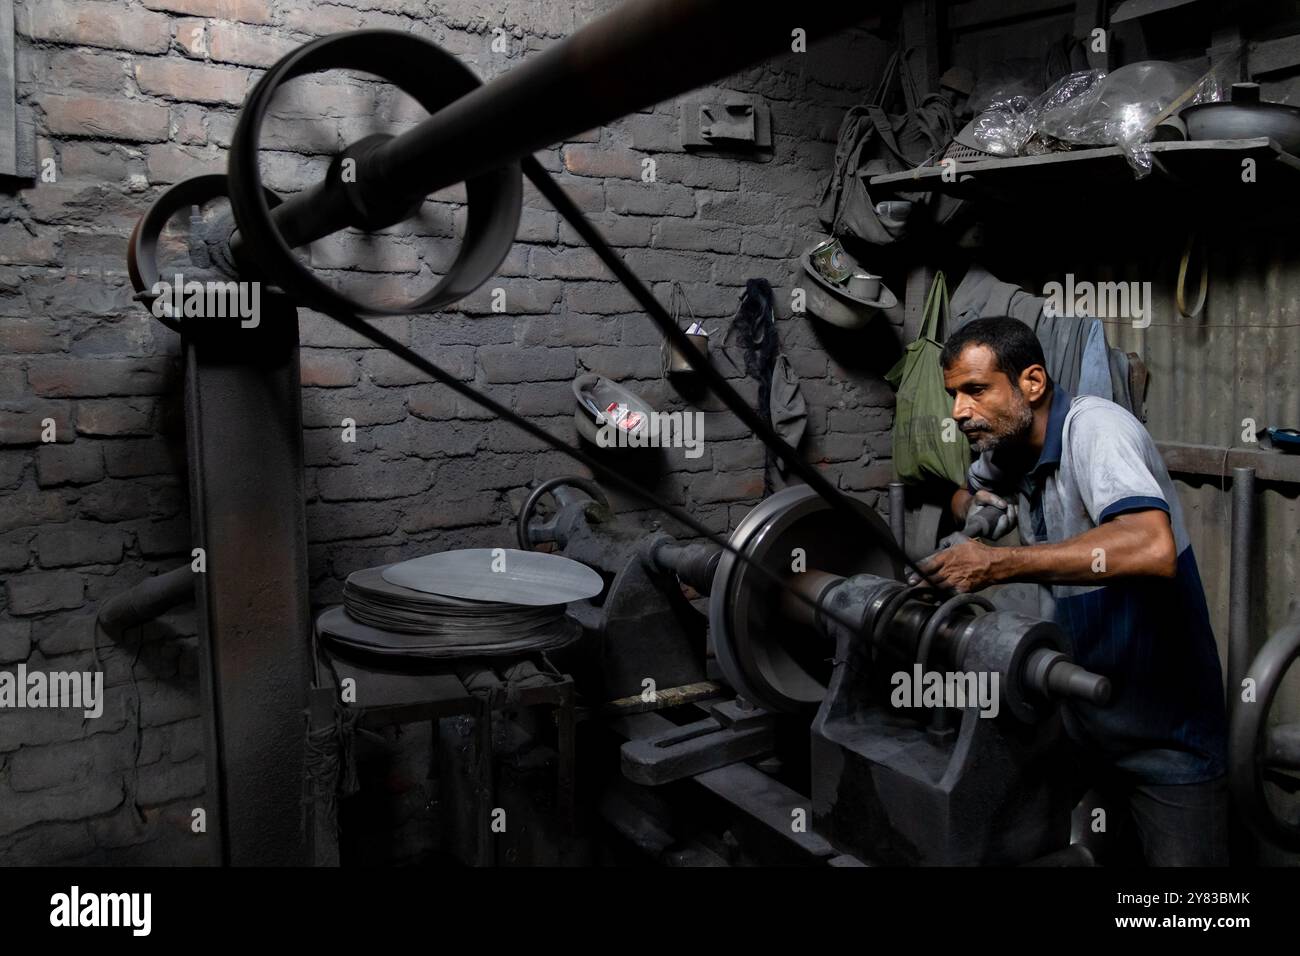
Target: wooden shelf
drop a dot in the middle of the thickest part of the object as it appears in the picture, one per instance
(1209, 461)
(1196, 160)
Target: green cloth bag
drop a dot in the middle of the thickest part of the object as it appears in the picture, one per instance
(920, 452)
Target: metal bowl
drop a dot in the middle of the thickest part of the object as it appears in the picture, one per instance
(1245, 118)
(836, 305)
(594, 393)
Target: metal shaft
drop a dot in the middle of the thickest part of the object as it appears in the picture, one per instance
(694, 564)
(898, 512)
(1243, 533)
(1053, 675)
(639, 54)
(147, 600)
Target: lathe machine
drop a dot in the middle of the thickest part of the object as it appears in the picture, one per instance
(777, 716)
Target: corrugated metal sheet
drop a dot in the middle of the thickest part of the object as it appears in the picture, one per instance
(1239, 359)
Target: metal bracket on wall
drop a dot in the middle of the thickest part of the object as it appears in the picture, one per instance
(729, 126)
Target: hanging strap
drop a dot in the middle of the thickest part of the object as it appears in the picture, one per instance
(886, 79)
(935, 303)
(932, 114)
(1193, 251)
(676, 299)
(907, 81)
(884, 125)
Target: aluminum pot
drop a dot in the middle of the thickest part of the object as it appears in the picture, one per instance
(1245, 117)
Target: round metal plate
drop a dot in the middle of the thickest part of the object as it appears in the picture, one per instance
(341, 632)
(503, 575)
(766, 658)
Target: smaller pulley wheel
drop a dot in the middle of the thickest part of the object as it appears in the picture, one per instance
(530, 534)
(1259, 754)
(142, 249)
(770, 660)
(435, 79)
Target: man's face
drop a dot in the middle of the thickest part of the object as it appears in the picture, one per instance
(988, 407)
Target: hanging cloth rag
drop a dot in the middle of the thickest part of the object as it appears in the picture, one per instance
(780, 403)
(788, 408)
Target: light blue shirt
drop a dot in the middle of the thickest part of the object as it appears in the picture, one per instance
(1166, 721)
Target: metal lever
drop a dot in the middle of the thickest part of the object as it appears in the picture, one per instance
(728, 122)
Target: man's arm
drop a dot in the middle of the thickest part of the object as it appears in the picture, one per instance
(1133, 544)
(961, 499)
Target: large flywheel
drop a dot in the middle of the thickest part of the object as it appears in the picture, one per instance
(766, 656)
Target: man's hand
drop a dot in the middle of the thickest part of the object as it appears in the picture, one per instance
(964, 567)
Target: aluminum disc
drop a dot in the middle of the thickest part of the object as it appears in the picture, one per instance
(500, 575)
(772, 661)
(339, 630)
(369, 599)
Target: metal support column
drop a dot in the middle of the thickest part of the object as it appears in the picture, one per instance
(244, 429)
(1239, 590)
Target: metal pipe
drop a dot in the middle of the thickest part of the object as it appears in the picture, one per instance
(1239, 584)
(639, 54)
(694, 564)
(147, 600)
(898, 512)
(814, 585)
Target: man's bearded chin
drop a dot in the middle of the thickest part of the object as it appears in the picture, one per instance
(985, 435)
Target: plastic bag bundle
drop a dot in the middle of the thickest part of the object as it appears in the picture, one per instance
(1003, 128)
(1122, 108)
(1094, 108)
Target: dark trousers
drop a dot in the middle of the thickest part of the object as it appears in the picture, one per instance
(1155, 825)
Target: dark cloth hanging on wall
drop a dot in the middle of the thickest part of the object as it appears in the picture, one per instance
(780, 403)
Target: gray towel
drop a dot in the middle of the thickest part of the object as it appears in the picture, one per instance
(788, 406)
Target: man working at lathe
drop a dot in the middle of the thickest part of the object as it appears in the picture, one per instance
(1105, 540)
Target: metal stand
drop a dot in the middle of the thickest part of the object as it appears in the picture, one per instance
(244, 432)
(481, 695)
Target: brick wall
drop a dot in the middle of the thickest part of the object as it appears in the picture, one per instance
(126, 96)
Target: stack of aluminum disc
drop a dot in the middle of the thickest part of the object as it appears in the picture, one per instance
(470, 603)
